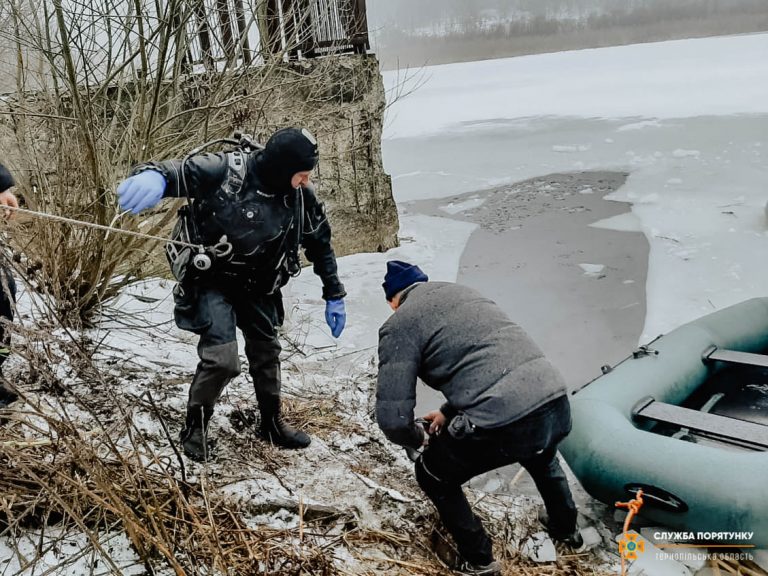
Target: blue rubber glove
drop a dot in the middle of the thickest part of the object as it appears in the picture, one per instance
(142, 191)
(336, 316)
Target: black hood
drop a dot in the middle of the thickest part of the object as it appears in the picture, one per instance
(6, 180)
(287, 152)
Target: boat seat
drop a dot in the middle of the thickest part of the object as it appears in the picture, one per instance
(730, 430)
(715, 354)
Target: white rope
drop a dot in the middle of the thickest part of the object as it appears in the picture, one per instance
(109, 228)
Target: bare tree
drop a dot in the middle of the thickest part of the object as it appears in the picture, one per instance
(103, 84)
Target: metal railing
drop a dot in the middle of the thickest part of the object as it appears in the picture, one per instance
(235, 31)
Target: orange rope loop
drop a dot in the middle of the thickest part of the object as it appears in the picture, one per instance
(633, 506)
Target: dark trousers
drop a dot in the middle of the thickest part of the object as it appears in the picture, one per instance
(458, 454)
(7, 301)
(215, 312)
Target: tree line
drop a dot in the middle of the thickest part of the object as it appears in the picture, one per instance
(415, 32)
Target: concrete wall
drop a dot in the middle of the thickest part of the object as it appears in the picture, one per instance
(344, 110)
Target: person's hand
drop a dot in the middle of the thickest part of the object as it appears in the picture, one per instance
(7, 198)
(142, 191)
(436, 421)
(335, 316)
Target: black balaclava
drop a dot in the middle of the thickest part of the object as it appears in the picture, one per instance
(287, 152)
(6, 180)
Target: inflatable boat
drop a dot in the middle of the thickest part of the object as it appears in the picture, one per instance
(685, 419)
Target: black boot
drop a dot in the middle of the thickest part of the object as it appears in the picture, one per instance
(194, 435)
(276, 430)
(571, 538)
(264, 359)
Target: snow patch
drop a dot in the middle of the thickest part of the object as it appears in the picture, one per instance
(570, 148)
(627, 222)
(682, 153)
(594, 270)
(457, 207)
(639, 125)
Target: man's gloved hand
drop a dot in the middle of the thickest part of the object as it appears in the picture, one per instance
(335, 316)
(144, 190)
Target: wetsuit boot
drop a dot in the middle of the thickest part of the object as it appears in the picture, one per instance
(194, 436)
(275, 429)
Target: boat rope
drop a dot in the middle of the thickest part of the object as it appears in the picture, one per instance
(633, 507)
(608, 368)
(108, 229)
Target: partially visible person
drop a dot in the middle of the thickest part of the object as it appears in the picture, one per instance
(506, 403)
(7, 289)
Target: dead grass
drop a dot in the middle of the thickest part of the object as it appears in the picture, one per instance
(320, 417)
(74, 460)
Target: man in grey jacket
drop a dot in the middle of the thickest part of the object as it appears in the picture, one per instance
(506, 403)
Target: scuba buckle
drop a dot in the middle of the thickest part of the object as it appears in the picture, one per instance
(202, 261)
(205, 258)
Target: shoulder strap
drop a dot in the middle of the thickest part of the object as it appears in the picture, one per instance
(236, 166)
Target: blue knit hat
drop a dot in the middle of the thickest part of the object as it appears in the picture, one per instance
(399, 276)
